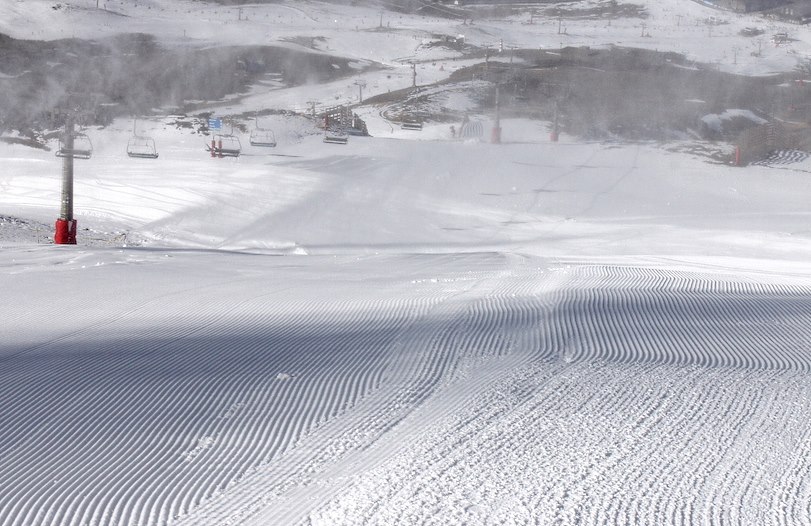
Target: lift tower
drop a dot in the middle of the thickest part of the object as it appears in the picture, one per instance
(66, 225)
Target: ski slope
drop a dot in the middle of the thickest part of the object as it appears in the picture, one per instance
(191, 387)
(399, 331)
(409, 328)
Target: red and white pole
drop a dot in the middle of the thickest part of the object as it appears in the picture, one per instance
(213, 148)
(65, 233)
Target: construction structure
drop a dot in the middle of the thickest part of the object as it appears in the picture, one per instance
(758, 142)
(343, 118)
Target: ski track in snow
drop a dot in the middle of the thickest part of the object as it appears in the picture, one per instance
(480, 388)
(781, 157)
(627, 428)
(650, 394)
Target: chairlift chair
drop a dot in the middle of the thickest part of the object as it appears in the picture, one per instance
(335, 136)
(227, 145)
(411, 125)
(82, 147)
(142, 147)
(263, 137)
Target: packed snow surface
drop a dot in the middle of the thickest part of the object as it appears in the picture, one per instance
(402, 331)
(395, 331)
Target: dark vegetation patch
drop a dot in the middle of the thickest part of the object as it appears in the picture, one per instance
(634, 93)
(711, 152)
(604, 11)
(434, 8)
(35, 141)
(309, 42)
(135, 75)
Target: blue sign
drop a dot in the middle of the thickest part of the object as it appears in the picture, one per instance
(215, 124)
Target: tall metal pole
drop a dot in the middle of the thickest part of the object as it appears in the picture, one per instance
(553, 135)
(360, 84)
(65, 233)
(66, 210)
(496, 134)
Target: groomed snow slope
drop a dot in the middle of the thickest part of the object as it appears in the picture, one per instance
(402, 331)
(399, 331)
(479, 387)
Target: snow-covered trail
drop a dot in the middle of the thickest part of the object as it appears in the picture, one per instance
(656, 418)
(303, 328)
(398, 388)
(405, 331)
(388, 194)
(120, 418)
(602, 443)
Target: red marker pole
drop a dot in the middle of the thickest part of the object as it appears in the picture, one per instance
(213, 149)
(219, 148)
(65, 232)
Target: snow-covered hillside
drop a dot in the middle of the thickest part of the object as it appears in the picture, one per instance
(413, 327)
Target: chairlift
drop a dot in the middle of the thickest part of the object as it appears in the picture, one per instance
(351, 130)
(142, 147)
(263, 137)
(356, 127)
(335, 136)
(411, 125)
(226, 145)
(82, 147)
